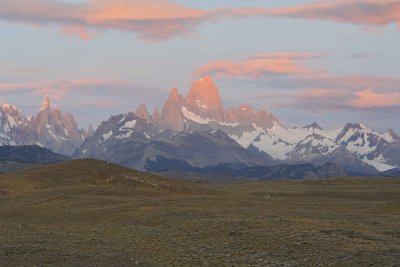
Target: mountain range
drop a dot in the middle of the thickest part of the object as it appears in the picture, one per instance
(196, 132)
(49, 128)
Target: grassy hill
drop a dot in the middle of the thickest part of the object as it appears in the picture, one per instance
(85, 173)
(15, 158)
(91, 213)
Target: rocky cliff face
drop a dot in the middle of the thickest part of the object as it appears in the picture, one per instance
(204, 100)
(203, 109)
(141, 112)
(50, 128)
(14, 126)
(56, 130)
(246, 115)
(171, 115)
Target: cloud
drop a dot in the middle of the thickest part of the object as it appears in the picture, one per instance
(383, 83)
(326, 92)
(79, 31)
(366, 55)
(153, 21)
(358, 12)
(158, 20)
(58, 89)
(291, 56)
(326, 100)
(96, 103)
(258, 66)
(285, 79)
(371, 99)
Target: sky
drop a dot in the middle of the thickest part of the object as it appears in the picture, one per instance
(333, 61)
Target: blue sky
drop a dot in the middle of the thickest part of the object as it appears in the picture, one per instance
(116, 69)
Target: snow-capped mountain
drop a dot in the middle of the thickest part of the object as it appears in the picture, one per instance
(196, 130)
(56, 130)
(356, 143)
(135, 142)
(379, 150)
(13, 126)
(50, 128)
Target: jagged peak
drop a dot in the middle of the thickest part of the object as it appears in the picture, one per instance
(45, 103)
(90, 128)
(357, 126)
(8, 107)
(174, 94)
(156, 113)
(313, 125)
(141, 112)
(89, 132)
(203, 86)
(204, 99)
(207, 79)
(156, 117)
(393, 134)
(246, 107)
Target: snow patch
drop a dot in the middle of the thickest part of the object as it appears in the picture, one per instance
(107, 135)
(380, 166)
(123, 118)
(193, 117)
(128, 125)
(53, 135)
(246, 138)
(274, 146)
(11, 121)
(39, 144)
(201, 105)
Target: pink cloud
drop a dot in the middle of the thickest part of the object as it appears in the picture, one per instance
(158, 20)
(371, 99)
(327, 92)
(327, 99)
(81, 32)
(286, 55)
(257, 66)
(358, 12)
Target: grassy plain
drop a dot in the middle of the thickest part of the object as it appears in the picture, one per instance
(89, 213)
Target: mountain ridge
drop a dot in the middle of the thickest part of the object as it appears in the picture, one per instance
(355, 147)
(190, 129)
(49, 128)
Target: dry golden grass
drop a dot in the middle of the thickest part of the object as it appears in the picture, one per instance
(88, 213)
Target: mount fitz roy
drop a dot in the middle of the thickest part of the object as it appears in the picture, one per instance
(196, 132)
(50, 128)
